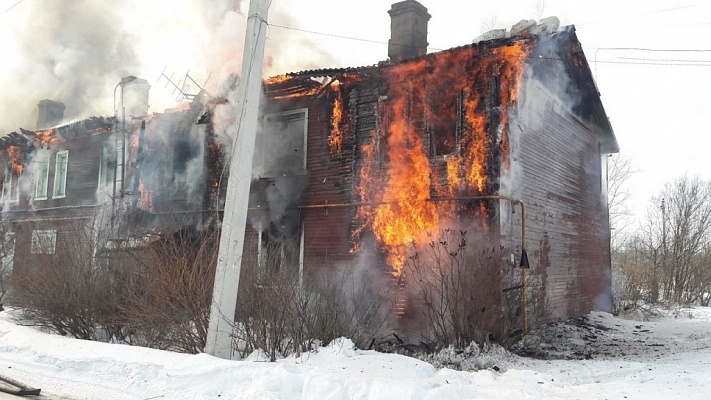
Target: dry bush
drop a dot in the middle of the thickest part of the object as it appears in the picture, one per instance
(264, 315)
(339, 304)
(7, 253)
(282, 313)
(64, 289)
(151, 290)
(167, 304)
(459, 285)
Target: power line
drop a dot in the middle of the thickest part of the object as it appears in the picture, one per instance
(13, 6)
(654, 50)
(626, 17)
(671, 64)
(664, 60)
(633, 61)
(344, 37)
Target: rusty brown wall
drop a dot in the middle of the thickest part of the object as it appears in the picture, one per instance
(556, 170)
(329, 181)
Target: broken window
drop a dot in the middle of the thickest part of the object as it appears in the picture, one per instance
(60, 174)
(284, 143)
(444, 130)
(44, 241)
(42, 177)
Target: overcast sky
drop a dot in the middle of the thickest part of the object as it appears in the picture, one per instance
(76, 51)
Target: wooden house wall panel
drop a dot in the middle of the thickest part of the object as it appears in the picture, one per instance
(567, 229)
(326, 231)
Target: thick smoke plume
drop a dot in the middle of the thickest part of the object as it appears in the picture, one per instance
(66, 49)
(76, 51)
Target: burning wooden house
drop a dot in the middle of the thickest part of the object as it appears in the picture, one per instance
(124, 178)
(389, 154)
(357, 166)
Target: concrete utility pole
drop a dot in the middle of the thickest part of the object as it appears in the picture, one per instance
(234, 221)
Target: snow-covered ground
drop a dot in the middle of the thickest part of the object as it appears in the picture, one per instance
(603, 358)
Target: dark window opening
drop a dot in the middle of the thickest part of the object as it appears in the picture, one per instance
(284, 139)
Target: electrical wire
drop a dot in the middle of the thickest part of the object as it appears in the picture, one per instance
(626, 17)
(345, 37)
(654, 50)
(13, 6)
(667, 64)
(663, 62)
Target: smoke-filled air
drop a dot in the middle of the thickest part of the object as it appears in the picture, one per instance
(76, 52)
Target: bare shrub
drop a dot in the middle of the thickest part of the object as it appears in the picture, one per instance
(264, 311)
(458, 286)
(339, 304)
(63, 289)
(169, 286)
(150, 290)
(7, 254)
(282, 313)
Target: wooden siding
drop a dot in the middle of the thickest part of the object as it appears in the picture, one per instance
(557, 173)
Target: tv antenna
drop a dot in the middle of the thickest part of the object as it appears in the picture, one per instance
(183, 89)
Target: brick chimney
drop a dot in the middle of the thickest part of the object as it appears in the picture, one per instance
(408, 30)
(50, 113)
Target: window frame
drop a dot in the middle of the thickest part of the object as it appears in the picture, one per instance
(37, 242)
(266, 153)
(12, 181)
(56, 194)
(44, 161)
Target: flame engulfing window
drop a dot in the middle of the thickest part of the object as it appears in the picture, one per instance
(60, 174)
(443, 117)
(44, 241)
(42, 177)
(284, 143)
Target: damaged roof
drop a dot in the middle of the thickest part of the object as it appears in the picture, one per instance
(561, 45)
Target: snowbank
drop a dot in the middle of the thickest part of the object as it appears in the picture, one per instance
(76, 369)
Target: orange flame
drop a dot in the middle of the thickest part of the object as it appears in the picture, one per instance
(335, 139)
(145, 201)
(15, 154)
(510, 88)
(45, 137)
(417, 121)
(453, 166)
(277, 79)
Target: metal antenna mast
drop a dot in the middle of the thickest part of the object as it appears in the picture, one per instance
(182, 89)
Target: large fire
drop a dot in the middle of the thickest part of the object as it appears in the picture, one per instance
(438, 131)
(419, 132)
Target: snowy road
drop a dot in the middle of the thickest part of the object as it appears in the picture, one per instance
(664, 359)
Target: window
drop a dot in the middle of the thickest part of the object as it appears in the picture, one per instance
(44, 241)
(11, 185)
(7, 254)
(444, 130)
(42, 177)
(60, 174)
(285, 143)
(282, 251)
